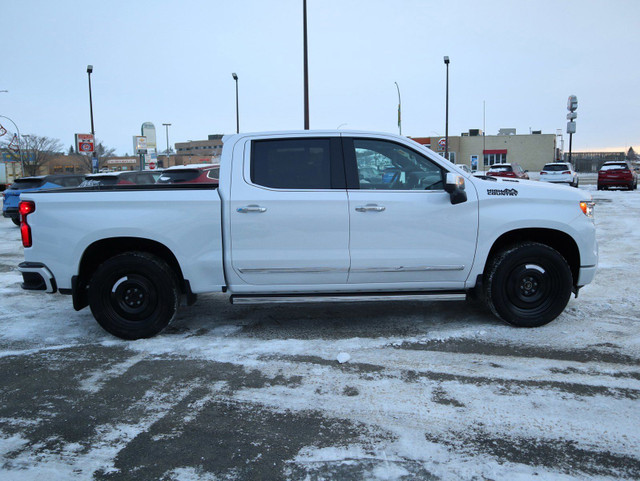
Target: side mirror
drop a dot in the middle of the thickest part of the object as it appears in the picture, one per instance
(454, 185)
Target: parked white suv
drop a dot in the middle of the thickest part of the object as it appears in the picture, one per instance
(559, 173)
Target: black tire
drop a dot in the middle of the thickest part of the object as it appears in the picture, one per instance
(577, 183)
(16, 219)
(134, 295)
(528, 284)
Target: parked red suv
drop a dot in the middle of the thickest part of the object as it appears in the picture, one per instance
(512, 170)
(617, 174)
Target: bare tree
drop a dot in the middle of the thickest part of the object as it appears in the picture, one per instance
(102, 152)
(37, 151)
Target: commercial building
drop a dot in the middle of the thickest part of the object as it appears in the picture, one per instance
(480, 151)
(212, 146)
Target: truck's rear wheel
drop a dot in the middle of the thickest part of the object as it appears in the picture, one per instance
(134, 295)
(528, 284)
(16, 219)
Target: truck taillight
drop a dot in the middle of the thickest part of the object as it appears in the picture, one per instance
(26, 207)
(567, 172)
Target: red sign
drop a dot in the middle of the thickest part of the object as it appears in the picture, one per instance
(84, 143)
(152, 166)
(442, 142)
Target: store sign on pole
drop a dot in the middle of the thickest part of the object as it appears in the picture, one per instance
(139, 144)
(84, 143)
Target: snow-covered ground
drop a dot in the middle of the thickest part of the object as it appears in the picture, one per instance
(426, 391)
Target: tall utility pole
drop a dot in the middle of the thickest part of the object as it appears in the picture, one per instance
(94, 158)
(167, 130)
(399, 109)
(306, 65)
(484, 131)
(446, 124)
(235, 77)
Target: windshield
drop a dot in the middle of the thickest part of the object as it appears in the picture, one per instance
(27, 183)
(501, 168)
(556, 167)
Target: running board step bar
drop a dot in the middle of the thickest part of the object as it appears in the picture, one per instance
(361, 297)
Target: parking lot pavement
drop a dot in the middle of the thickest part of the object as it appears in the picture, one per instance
(431, 391)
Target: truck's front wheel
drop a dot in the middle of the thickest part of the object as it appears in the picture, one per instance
(528, 284)
(133, 295)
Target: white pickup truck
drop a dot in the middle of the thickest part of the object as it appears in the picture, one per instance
(324, 216)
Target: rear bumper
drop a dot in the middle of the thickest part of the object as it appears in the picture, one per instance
(586, 275)
(557, 181)
(37, 277)
(615, 182)
(10, 212)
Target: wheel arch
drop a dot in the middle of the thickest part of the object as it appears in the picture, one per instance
(98, 252)
(558, 240)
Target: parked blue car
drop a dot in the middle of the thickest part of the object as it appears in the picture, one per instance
(11, 196)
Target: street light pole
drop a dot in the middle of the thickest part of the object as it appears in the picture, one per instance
(399, 109)
(306, 65)
(19, 147)
(167, 130)
(235, 77)
(94, 159)
(446, 125)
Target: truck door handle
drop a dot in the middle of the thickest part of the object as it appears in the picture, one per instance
(370, 208)
(251, 208)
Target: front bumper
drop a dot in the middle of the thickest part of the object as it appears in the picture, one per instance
(37, 277)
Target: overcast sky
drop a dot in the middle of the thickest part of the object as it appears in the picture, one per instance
(171, 62)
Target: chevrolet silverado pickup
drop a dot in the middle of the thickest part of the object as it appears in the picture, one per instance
(325, 216)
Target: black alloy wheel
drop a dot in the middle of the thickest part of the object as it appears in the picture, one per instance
(528, 284)
(134, 295)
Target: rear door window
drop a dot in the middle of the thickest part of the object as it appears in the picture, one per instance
(292, 163)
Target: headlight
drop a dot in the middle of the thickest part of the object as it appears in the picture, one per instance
(587, 208)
